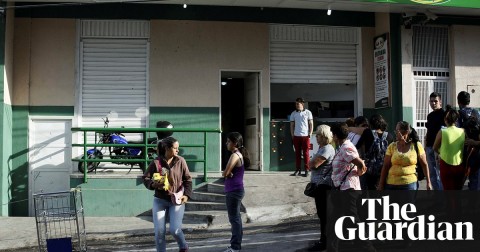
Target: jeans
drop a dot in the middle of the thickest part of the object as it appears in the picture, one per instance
(175, 212)
(234, 202)
(434, 169)
(302, 146)
(411, 186)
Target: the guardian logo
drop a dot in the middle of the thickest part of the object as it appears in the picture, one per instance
(398, 219)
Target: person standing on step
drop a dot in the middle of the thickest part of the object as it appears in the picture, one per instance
(435, 121)
(234, 190)
(301, 128)
(167, 175)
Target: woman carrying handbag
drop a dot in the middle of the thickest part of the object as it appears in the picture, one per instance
(321, 168)
(166, 176)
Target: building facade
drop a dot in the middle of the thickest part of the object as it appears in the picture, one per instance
(227, 67)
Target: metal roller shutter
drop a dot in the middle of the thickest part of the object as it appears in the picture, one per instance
(114, 78)
(309, 54)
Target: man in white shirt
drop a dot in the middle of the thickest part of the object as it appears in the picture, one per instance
(301, 128)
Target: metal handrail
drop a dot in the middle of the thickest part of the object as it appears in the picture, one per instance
(145, 144)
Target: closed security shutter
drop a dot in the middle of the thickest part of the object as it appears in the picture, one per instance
(114, 73)
(114, 81)
(309, 54)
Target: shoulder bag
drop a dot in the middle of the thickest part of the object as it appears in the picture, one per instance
(344, 178)
(310, 189)
(418, 168)
(162, 174)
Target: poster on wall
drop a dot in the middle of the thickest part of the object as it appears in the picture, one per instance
(381, 71)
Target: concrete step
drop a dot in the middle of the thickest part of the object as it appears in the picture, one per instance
(216, 187)
(205, 206)
(217, 218)
(208, 196)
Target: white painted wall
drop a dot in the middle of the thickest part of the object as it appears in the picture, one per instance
(44, 66)
(465, 57)
(8, 72)
(408, 88)
(187, 56)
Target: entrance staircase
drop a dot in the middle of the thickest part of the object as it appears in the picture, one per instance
(207, 206)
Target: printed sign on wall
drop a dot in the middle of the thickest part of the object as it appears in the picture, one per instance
(382, 73)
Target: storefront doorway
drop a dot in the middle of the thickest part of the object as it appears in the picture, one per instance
(240, 111)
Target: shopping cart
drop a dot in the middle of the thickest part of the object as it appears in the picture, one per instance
(60, 221)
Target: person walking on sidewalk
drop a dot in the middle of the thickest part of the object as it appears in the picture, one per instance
(175, 173)
(234, 190)
(435, 121)
(301, 128)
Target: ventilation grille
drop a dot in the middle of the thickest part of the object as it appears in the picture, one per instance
(115, 29)
(297, 33)
(430, 47)
(431, 73)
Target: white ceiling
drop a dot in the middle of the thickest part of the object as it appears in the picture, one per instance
(346, 5)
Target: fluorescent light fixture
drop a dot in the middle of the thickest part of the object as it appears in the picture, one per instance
(224, 83)
(329, 11)
(184, 5)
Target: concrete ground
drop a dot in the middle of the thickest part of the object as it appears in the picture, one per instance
(281, 219)
(270, 198)
(136, 234)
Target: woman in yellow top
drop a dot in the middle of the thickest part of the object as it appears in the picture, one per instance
(398, 171)
(449, 144)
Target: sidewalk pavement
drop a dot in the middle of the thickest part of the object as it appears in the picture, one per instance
(136, 234)
(21, 232)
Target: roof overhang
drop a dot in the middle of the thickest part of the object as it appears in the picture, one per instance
(437, 7)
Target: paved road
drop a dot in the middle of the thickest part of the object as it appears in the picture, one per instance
(294, 234)
(289, 235)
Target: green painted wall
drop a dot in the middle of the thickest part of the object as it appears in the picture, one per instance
(18, 170)
(116, 196)
(198, 117)
(101, 195)
(192, 117)
(19, 158)
(5, 128)
(266, 140)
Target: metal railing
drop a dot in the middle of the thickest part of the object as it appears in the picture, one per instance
(144, 145)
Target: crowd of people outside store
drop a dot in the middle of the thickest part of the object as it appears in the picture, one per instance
(449, 158)
(355, 155)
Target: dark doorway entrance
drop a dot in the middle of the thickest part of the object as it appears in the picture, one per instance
(232, 111)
